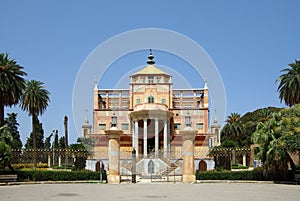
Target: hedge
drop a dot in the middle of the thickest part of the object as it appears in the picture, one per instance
(255, 175)
(48, 175)
(29, 165)
(235, 167)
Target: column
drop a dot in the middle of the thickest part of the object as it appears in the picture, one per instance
(113, 156)
(188, 137)
(169, 138)
(244, 160)
(165, 139)
(136, 138)
(145, 138)
(133, 134)
(156, 137)
(49, 160)
(59, 160)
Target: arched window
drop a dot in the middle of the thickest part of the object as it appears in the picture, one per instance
(150, 167)
(150, 99)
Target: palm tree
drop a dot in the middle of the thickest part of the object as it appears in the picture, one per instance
(35, 100)
(289, 84)
(12, 83)
(233, 128)
(273, 151)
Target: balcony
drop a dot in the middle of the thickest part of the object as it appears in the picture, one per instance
(150, 106)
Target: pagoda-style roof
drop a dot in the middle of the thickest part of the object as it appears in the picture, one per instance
(151, 69)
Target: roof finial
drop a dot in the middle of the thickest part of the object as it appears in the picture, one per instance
(150, 58)
(95, 85)
(205, 84)
(86, 118)
(215, 117)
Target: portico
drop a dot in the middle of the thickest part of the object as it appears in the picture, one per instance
(151, 129)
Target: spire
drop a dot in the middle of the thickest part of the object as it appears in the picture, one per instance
(96, 85)
(215, 118)
(205, 84)
(86, 118)
(150, 58)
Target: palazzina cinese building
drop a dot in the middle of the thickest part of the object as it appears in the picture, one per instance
(151, 113)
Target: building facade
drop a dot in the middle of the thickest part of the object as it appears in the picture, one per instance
(151, 113)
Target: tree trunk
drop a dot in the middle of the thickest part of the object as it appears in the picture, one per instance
(1, 114)
(66, 130)
(34, 120)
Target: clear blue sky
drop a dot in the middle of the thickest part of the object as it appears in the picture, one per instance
(249, 41)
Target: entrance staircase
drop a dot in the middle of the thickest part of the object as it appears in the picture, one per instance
(172, 166)
(169, 167)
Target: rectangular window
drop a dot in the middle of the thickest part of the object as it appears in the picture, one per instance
(199, 126)
(177, 126)
(138, 101)
(163, 101)
(102, 126)
(150, 79)
(124, 126)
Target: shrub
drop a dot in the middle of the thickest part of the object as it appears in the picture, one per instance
(48, 175)
(62, 167)
(79, 163)
(29, 165)
(239, 167)
(228, 175)
(220, 168)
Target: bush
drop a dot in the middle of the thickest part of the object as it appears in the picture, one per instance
(29, 165)
(48, 175)
(220, 168)
(255, 175)
(79, 163)
(239, 167)
(62, 167)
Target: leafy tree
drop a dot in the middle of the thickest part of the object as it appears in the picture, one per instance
(12, 83)
(289, 84)
(79, 160)
(6, 136)
(62, 142)
(290, 127)
(279, 136)
(12, 125)
(88, 143)
(47, 143)
(233, 129)
(251, 119)
(5, 148)
(229, 144)
(5, 154)
(39, 137)
(35, 100)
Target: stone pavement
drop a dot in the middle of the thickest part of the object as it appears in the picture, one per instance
(150, 191)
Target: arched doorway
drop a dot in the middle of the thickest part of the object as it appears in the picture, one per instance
(150, 167)
(98, 166)
(202, 166)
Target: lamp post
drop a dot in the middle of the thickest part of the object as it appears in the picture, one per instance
(133, 169)
(188, 137)
(113, 135)
(100, 170)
